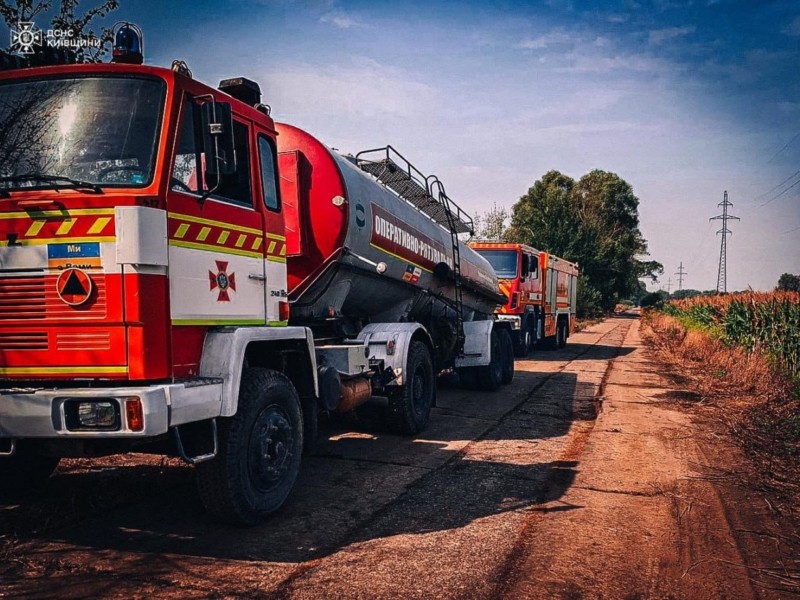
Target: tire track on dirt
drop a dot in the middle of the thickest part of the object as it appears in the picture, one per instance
(572, 451)
(511, 571)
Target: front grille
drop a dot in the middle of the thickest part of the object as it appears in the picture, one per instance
(25, 298)
(22, 298)
(23, 341)
(83, 341)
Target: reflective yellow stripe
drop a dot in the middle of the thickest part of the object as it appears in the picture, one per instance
(73, 240)
(182, 230)
(35, 228)
(99, 225)
(36, 214)
(201, 237)
(271, 248)
(202, 221)
(257, 244)
(223, 237)
(212, 248)
(240, 242)
(66, 226)
(275, 236)
(61, 370)
(217, 322)
(283, 250)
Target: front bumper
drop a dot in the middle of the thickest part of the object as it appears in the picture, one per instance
(42, 413)
(515, 320)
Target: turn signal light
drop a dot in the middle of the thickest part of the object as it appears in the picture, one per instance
(134, 414)
(283, 310)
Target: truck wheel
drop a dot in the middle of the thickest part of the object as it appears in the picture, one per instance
(259, 451)
(561, 335)
(25, 469)
(491, 376)
(523, 343)
(508, 357)
(410, 406)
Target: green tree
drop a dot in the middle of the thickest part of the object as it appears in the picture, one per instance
(594, 222)
(64, 18)
(686, 293)
(492, 224)
(789, 283)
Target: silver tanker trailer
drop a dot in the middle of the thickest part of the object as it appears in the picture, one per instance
(377, 271)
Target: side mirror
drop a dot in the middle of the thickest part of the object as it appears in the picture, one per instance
(217, 124)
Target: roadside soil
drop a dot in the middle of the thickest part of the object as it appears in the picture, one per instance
(590, 476)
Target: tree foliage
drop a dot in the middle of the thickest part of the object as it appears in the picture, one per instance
(64, 18)
(789, 283)
(593, 221)
(492, 224)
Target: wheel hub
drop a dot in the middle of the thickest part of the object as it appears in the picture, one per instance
(270, 448)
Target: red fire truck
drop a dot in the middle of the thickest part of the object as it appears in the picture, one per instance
(179, 274)
(541, 291)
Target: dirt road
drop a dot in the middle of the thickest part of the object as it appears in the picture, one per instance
(580, 479)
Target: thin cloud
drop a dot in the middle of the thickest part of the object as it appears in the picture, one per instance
(659, 36)
(793, 28)
(557, 36)
(362, 91)
(339, 19)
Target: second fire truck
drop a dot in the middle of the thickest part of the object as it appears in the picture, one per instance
(541, 290)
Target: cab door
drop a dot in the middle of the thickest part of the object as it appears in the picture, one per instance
(216, 243)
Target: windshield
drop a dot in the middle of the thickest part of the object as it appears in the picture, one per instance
(97, 130)
(504, 262)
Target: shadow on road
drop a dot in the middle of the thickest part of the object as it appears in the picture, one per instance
(363, 484)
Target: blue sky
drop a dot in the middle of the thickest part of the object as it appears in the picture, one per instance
(683, 99)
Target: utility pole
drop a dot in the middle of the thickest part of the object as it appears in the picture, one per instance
(681, 272)
(669, 284)
(722, 279)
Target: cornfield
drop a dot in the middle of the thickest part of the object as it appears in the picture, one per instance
(763, 322)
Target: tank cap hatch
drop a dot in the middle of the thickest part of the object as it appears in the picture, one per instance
(242, 89)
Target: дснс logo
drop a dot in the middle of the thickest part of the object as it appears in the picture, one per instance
(25, 37)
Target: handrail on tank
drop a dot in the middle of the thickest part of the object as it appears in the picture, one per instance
(410, 169)
(423, 198)
(454, 209)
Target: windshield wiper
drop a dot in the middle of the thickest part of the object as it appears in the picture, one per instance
(54, 179)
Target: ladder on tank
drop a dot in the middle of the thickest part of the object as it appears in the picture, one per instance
(428, 195)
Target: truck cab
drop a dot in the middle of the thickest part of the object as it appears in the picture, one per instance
(142, 260)
(541, 290)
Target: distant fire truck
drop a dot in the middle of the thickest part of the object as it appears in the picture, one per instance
(541, 290)
(181, 275)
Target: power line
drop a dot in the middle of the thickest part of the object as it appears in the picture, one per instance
(722, 278)
(790, 231)
(785, 146)
(767, 193)
(779, 195)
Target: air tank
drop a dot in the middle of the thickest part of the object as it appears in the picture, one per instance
(357, 251)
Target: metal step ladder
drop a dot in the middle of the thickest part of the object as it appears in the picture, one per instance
(393, 170)
(428, 195)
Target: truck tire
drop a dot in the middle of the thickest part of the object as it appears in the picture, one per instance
(508, 357)
(259, 451)
(523, 342)
(561, 334)
(410, 406)
(491, 376)
(25, 469)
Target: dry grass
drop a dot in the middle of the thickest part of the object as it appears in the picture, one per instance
(758, 403)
